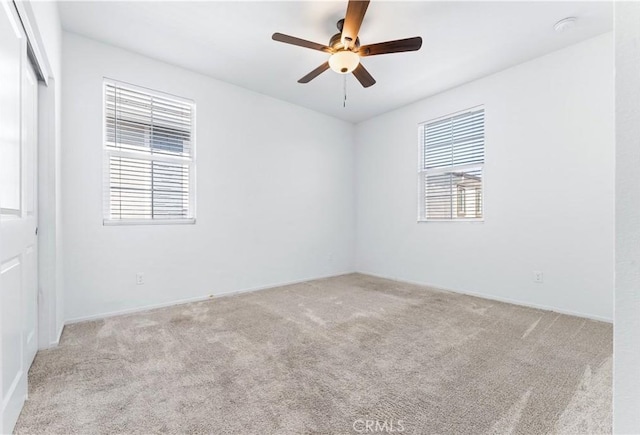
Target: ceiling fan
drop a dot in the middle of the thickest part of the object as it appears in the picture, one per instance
(345, 48)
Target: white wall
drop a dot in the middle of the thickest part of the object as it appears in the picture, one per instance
(275, 195)
(626, 398)
(46, 20)
(549, 188)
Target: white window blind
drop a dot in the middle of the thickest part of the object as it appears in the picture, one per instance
(149, 158)
(452, 161)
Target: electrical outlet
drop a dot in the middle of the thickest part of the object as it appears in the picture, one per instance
(139, 278)
(537, 277)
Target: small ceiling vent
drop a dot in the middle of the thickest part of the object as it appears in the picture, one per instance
(565, 24)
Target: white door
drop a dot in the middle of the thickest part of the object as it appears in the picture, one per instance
(30, 216)
(18, 250)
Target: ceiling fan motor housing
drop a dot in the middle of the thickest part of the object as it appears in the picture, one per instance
(336, 42)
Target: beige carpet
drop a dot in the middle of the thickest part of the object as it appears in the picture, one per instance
(352, 354)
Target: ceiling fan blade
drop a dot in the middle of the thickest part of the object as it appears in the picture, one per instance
(352, 21)
(398, 46)
(363, 76)
(300, 42)
(315, 73)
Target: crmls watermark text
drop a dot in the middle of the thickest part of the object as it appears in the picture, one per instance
(378, 426)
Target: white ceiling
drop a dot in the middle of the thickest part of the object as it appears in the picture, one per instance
(231, 41)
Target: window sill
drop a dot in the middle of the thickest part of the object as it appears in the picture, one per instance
(116, 222)
(422, 221)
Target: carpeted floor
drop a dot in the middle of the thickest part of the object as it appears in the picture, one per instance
(353, 354)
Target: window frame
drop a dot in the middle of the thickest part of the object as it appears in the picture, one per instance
(108, 152)
(422, 172)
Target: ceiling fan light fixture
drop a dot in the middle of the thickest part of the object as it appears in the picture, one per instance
(343, 62)
(344, 47)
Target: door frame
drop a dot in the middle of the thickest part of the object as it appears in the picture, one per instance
(50, 318)
(47, 156)
(36, 46)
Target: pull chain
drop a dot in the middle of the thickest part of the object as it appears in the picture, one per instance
(344, 102)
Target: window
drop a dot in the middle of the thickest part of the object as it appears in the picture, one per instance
(452, 160)
(148, 156)
(462, 201)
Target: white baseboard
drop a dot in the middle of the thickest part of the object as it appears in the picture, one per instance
(194, 299)
(136, 309)
(270, 286)
(59, 335)
(495, 298)
(53, 343)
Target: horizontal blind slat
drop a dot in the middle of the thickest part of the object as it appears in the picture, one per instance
(150, 125)
(449, 146)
